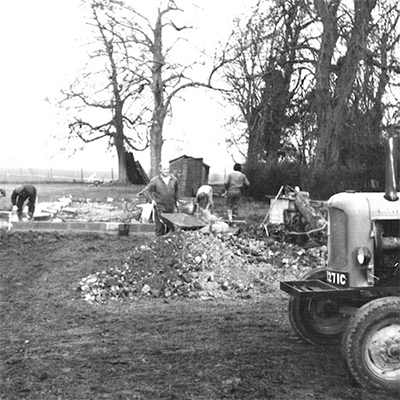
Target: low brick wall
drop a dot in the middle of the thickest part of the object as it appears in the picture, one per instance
(111, 227)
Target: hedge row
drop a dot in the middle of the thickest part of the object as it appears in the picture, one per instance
(268, 180)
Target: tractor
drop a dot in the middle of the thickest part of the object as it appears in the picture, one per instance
(354, 301)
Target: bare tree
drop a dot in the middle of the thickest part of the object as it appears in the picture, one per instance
(319, 75)
(105, 96)
(166, 78)
(374, 99)
(265, 74)
(134, 77)
(332, 100)
(358, 66)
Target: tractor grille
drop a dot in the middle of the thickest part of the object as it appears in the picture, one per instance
(337, 239)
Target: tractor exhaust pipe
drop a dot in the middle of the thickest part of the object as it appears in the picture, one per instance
(391, 170)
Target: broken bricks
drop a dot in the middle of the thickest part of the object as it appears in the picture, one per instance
(196, 265)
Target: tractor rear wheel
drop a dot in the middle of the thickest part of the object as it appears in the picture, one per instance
(317, 320)
(371, 344)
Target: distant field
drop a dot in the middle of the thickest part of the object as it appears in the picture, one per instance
(50, 191)
(36, 175)
(53, 191)
(18, 175)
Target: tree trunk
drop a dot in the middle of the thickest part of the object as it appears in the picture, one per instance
(325, 146)
(120, 146)
(272, 146)
(156, 142)
(122, 168)
(312, 216)
(159, 113)
(266, 119)
(332, 107)
(119, 137)
(254, 154)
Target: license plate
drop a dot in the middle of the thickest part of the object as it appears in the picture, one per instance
(337, 278)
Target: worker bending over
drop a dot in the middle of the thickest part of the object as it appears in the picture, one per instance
(18, 197)
(204, 199)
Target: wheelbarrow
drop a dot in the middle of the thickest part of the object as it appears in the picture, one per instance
(183, 221)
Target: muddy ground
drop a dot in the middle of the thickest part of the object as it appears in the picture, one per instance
(222, 341)
(97, 316)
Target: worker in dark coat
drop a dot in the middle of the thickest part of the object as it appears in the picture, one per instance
(163, 192)
(20, 195)
(234, 184)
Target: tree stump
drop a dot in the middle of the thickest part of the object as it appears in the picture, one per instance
(313, 218)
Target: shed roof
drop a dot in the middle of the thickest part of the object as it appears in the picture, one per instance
(185, 157)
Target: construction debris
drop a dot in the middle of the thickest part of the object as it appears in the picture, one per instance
(196, 265)
(294, 209)
(313, 217)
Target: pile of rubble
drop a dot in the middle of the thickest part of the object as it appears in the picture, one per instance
(66, 209)
(197, 265)
(81, 209)
(101, 211)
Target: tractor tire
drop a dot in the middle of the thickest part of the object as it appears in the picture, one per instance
(371, 344)
(317, 320)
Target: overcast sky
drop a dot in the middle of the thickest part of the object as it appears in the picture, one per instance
(42, 48)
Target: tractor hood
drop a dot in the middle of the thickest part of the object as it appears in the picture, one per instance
(384, 210)
(372, 205)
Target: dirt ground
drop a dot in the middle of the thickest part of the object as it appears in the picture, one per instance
(97, 316)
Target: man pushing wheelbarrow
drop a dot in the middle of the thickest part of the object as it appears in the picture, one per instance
(163, 192)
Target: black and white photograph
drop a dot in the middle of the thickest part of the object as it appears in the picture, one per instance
(200, 200)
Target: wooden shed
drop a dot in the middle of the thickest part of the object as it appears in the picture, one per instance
(191, 173)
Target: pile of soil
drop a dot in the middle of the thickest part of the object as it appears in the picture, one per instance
(55, 346)
(198, 265)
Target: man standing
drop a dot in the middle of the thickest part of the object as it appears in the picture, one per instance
(235, 183)
(18, 197)
(163, 192)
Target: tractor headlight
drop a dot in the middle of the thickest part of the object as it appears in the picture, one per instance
(363, 256)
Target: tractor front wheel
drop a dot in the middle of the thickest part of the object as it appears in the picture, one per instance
(371, 344)
(317, 320)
